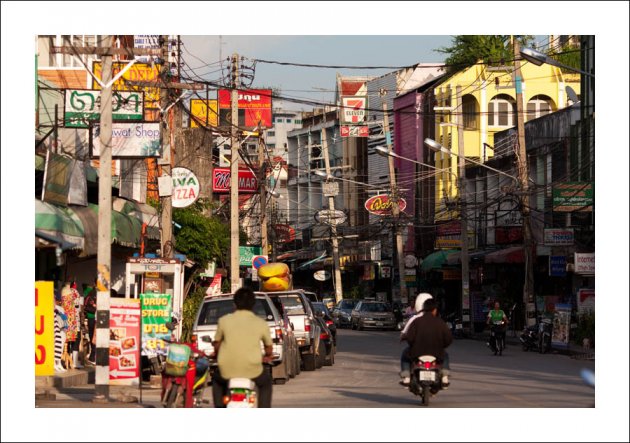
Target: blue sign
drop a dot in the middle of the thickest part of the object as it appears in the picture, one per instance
(557, 266)
(259, 260)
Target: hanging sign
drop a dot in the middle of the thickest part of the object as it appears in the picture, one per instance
(381, 204)
(321, 275)
(328, 217)
(124, 342)
(185, 187)
(353, 109)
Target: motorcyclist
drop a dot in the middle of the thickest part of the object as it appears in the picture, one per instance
(497, 315)
(429, 335)
(405, 362)
(237, 345)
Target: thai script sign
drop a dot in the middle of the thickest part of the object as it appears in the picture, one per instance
(573, 196)
(124, 342)
(586, 300)
(130, 140)
(83, 106)
(354, 131)
(353, 110)
(329, 217)
(557, 266)
(508, 218)
(247, 181)
(557, 237)
(381, 204)
(203, 113)
(254, 107)
(561, 325)
(156, 312)
(247, 253)
(585, 263)
(185, 187)
(44, 328)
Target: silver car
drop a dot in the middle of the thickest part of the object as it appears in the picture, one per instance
(372, 314)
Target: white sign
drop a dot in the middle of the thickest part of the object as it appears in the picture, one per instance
(353, 110)
(321, 275)
(146, 42)
(130, 140)
(83, 106)
(555, 237)
(585, 263)
(185, 187)
(411, 261)
(329, 217)
(330, 189)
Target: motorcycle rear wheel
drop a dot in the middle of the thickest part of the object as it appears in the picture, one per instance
(426, 393)
(171, 396)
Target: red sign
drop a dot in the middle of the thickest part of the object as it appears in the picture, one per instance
(355, 131)
(254, 103)
(247, 181)
(450, 228)
(382, 205)
(505, 235)
(124, 341)
(284, 233)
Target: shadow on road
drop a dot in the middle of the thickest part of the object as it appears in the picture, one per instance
(380, 399)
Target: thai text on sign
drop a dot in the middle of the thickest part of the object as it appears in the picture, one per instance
(124, 338)
(44, 328)
(156, 312)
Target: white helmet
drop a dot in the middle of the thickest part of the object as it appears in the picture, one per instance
(420, 299)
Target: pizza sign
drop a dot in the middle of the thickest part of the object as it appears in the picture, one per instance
(353, 110)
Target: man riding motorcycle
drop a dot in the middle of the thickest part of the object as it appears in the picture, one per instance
(405, 362)
(429, 335)
(237, 345)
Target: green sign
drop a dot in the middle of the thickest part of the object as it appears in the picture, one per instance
(247, 253)
(573, 196)
(83, 106)
(156, 312)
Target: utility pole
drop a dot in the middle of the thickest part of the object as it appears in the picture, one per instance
(395, 208)
(462, 207)
(263, 192)
(104, 249)
(333, 226)
(235, 279)
(523, 175)
(167, 246)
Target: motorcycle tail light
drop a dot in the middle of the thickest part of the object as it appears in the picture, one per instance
(428, 365)
(238, 396)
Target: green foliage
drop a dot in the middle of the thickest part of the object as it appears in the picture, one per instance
(569, 56)
(585, 328)
(466, 50)
(191, 306)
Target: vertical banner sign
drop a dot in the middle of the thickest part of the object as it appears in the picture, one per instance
(44, 328)
(156, 312)
(561, 325)
(124, 348)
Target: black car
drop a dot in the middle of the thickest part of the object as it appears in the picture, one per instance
(342, 312)
(321, 310)
(326, 358)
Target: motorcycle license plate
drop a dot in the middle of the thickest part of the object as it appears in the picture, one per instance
(458, 326)
(427, 376)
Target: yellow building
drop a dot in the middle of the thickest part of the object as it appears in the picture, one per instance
(488, 105)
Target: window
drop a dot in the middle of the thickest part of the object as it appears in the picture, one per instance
(288, 120)
(271, 146)
(279, 120)
(271, 133)
(70, 60)
(502, 111)
(469, 112)
(538, 106)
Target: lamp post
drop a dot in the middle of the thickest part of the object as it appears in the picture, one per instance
(538, 58)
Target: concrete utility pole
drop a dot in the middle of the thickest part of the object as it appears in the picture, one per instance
(333, 226)
(263, 192)
(167, 245)
(104, 249)
(395, 207)
(235, 278)
(462, 208)
(523, 175)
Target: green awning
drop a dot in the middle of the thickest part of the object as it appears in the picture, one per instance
(126, 230)
(59, 224)
(143, 212)
(436, 259)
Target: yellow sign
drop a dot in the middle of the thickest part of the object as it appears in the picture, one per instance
(44, 328)
(199, 109)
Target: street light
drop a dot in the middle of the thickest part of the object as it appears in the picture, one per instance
(538, 58)
(327, 176)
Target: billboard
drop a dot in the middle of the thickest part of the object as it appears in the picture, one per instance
(573, 196)
(138, 72)
(129, 140)
(353, 111)
(247, 181)
(203, 113)
(83, 106)
(254, 106)
(382, 205)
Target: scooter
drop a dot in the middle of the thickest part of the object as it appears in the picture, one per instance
(537, 336)
(497, 337)
(185, 375)
(455, 324)
(426, 378)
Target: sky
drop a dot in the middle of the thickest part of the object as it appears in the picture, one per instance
(416, 22)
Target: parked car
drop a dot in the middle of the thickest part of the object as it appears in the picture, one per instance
(326, 356)
(372, 314)
(329, 302)
(214, 307)
(289, 336)
(305, 327)
(341, 313)
(322, 310)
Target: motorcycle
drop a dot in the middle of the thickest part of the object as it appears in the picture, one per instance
(537, 336)
(241, 394)
(185, 375)
(426, 378)
(455, 324)
(497, 337)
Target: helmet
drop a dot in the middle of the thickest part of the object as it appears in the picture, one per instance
(420, 299)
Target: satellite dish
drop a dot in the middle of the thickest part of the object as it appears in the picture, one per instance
(572, 95)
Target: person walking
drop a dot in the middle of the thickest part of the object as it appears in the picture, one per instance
(89, 308)
(69, 300)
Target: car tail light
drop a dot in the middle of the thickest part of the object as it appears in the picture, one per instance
(329, 322)
(323, 336)
(307, 326)
(279, 333)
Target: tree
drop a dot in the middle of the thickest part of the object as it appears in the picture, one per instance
(466, 50)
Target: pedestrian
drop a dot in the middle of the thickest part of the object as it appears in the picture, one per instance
(70, 301)
(89, 308)
(61, 326)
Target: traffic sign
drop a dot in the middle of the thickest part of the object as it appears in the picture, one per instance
(259, 260)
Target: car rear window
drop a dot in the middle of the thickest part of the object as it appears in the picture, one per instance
(213, 310)
(293, 304)
(374, 307)
(347, 304)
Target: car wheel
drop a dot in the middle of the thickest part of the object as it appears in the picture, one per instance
(298, 363)
(359, 326)
(309, 362)
(330, 358)
(321, 357)
(353, 326)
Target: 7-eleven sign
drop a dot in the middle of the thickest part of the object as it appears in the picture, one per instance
(353, 110)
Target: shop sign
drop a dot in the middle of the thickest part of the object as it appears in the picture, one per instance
(247, 181)
(146, 42)
(508, 218)
(247, 254)
(353, 110)
(354, 131)
(284, 233)
(557, 266)
(156, 312)
(124, 342)
(129, 140)
(381, 204)
(584, 263)
(205, 113)
(44, 328)
(83, 106)
(454, 241)
(321, 275)
(254, 106)
(586, 300)
(559, 237)
(561, 325)
(185, 187)
(573, 196)
(329, 217)
(386, 272)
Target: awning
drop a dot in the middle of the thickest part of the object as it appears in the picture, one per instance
(436, 259)
(58, 224)
(514, 254)
(456, 257)
(143, 212)
(126, 230)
